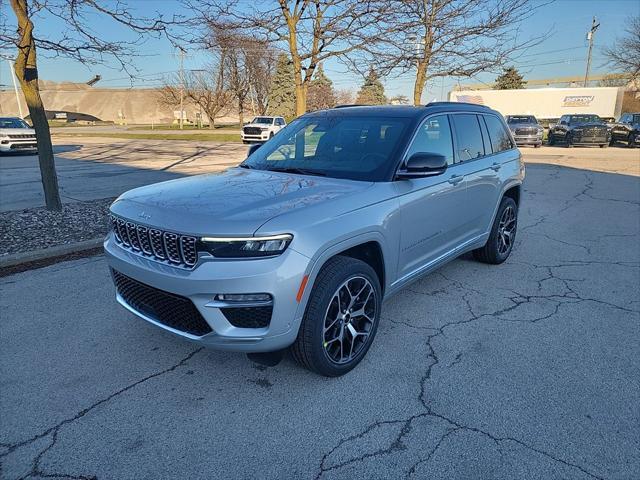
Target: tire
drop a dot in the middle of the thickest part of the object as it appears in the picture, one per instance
(568, 142)
(245, 141)
(270, 135)
(551, 140)
(537, 145)
(493, 252)
(604, 145)
(630, 142)
(319, 350)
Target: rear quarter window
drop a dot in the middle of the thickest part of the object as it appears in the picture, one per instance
(500, 139)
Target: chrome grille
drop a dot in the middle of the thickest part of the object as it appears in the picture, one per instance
(594, 132)
(526, 131)
(179, 250)
(22, 136)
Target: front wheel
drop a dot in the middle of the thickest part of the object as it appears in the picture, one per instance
(341, 318)
(502, 236)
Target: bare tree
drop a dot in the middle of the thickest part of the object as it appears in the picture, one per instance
(209, 91)
(76, 41)
(246, 61)
(624, 55)
(441, 38)
(311, 30)
(344, 97)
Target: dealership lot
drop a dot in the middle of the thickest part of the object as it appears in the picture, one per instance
(91, 168)
(525, 370)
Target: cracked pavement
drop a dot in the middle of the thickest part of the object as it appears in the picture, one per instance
(524, 370)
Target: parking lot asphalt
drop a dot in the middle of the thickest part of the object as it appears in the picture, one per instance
(91, 168)
(527, 370)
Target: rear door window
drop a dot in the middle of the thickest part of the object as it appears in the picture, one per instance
(469, 145)
(500, 139)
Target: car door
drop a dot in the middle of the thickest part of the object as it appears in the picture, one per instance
(431, 208)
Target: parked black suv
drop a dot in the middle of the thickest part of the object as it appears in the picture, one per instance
(525, 129)
(627, 130)
(580, 129)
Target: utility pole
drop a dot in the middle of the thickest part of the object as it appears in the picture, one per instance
(181, 86)
(590, 33)
(15, 87)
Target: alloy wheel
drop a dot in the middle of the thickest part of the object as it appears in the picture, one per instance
(349, 320)
(506, 230)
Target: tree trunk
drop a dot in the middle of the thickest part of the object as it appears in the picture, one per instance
(27, 73)
(420, 82)
(240, 113)
(301, 99)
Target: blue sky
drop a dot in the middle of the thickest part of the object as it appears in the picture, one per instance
(562, 54)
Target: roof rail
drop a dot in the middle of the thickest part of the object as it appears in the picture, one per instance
(346, 105)
(435, 104)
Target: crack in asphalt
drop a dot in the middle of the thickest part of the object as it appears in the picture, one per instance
(54, 431)
(568, 296)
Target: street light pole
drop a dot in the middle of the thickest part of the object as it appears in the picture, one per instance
(181, 87)
(15, 87)
(590, 33)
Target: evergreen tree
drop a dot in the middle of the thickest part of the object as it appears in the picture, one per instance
(510, 80)
(282, 94)
(320, 95)
(372, 91)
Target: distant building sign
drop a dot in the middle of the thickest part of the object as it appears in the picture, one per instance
(61, 115)
(577, 100)
(477, 99)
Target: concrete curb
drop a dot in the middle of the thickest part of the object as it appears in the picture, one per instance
(49, 253)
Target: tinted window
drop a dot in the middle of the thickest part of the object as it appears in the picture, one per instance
(521, 119)
(577, 119)
(13, 123)
(434, 136)
(469, 139)
(500, 139)
(358, 148)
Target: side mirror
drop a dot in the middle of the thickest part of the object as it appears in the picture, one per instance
(252, 148)
(423, 164)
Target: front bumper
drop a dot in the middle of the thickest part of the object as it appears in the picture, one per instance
(528, 139)
(18, 145)
(278, 276)
(262, 137)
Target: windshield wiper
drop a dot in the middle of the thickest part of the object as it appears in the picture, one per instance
(301, 171)
(246, 165)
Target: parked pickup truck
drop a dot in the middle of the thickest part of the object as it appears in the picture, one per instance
(261, 129)
(627, 130)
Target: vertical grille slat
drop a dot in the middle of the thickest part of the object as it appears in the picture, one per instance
(133, 236)
(179, 250)
(171, 246)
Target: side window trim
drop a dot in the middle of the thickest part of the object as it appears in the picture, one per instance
(486, 136)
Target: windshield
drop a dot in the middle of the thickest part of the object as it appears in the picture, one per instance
(521, 119)
(357, 148)
(635, 119)
(13, 123)
(263, 120)
(584, 119)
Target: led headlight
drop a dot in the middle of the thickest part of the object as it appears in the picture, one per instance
(239, 247)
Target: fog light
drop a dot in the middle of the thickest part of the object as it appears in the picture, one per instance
(243, 297)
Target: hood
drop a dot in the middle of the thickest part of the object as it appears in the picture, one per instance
(16, 131)
(235, 202)
(513, 126)
(259, 125)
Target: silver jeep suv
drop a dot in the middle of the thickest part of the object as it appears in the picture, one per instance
(299, 245)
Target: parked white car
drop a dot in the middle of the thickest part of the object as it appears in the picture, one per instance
(261, 129)
(16, 135)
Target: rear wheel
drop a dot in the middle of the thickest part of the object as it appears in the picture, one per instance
(341, 318)
(502, 236)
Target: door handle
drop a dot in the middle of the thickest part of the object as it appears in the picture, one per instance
(456, 179)
(496, 166)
